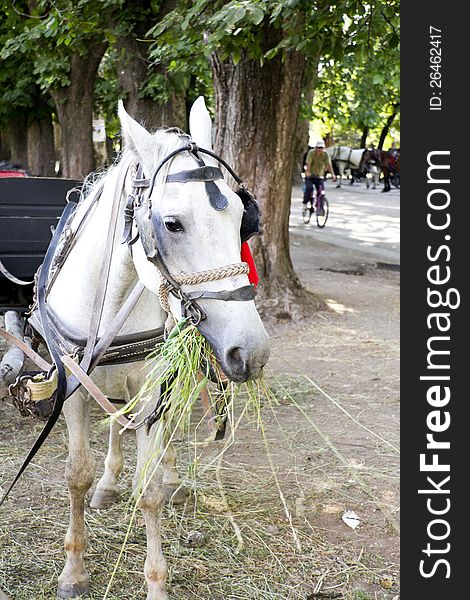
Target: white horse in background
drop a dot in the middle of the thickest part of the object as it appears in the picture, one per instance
(345, 159)
(191, 237)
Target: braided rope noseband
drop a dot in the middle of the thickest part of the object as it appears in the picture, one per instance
(183, 278)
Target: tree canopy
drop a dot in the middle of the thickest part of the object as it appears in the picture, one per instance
(266, 68)
(356, 45)
(360, 89)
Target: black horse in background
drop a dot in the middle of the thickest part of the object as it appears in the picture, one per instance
(388, 163)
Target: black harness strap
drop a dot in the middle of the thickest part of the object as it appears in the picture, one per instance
(206, 173)
(61, 375)
(62, 254)
(241, 294)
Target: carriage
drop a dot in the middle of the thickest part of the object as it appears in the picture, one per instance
(29, 211)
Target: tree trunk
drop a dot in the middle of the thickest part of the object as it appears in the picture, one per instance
(74, 106)
(387, 125)
(257, 111)
(365, 133)
(41, 150)
(17, 134)
(5, 151)
(133, 70)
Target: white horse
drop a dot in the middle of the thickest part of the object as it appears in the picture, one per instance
(345, 159)
(191, 237)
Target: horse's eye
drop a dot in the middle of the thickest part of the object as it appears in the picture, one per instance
(173, 225)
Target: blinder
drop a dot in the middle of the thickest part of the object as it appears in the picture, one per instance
(250, 225)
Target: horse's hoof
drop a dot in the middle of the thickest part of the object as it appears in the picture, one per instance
(175, 493)
(102, 499)
(73, 590)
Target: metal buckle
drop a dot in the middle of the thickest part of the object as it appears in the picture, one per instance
(190, 308)
(193, 147)
(21, 397)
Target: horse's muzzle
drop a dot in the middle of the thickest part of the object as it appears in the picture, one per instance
(243, 362)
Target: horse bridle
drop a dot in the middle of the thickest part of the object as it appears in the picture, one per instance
(139, 210)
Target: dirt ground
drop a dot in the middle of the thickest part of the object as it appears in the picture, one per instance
(267, 515)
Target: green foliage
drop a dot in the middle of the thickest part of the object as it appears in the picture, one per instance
(358, 44)
(17, 85)
(37, 41)
(55, 31)
(361, 88)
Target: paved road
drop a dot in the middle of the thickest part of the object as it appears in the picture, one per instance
(360, 218)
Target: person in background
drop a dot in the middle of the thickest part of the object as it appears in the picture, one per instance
(317, 162)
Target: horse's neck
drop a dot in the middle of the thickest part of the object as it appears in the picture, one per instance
(73, 293)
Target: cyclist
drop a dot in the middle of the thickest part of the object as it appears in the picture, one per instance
(316, 163)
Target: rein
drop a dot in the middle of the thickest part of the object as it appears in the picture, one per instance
(4, 271)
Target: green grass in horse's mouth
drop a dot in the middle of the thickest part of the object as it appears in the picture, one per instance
(186, 367)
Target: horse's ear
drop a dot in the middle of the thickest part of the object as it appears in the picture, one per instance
(136, 138)
(200, 124)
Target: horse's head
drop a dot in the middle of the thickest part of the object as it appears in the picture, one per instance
(370, 157)
(190, 222)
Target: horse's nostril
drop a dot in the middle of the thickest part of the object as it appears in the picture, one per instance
(243, 363)
(236, 361)
(235, 357)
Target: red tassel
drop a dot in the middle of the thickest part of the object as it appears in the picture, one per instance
(248, 258)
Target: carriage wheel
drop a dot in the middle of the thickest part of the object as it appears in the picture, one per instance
(306, 213)
(322, 218)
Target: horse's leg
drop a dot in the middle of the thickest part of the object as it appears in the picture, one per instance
(79, 474)
(387, 186)
(172, 482)
(106, 492)
(341, 173)
(151, 500)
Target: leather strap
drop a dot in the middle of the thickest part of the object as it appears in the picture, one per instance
(241, 294)
(206, 173)
(97, 394)
(4, 271)
(62, 254)
(30, 353)
(100, 293)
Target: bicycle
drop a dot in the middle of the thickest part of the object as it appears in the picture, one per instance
(309, 208)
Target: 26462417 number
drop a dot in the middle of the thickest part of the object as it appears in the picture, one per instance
(435, 64)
